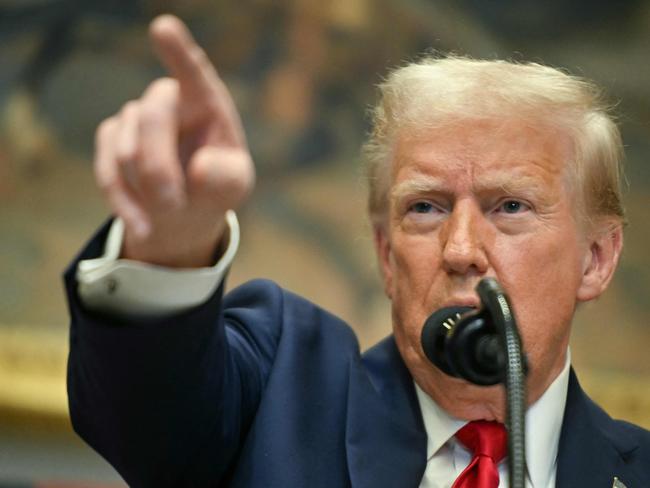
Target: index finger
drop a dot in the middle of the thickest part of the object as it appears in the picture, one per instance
(184, 58)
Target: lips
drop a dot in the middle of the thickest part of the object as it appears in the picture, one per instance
(472, 302)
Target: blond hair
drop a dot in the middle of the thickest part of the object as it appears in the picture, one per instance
(436, 93)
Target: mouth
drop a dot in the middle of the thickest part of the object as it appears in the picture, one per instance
(468, 302)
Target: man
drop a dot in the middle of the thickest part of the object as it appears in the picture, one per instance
(476, 169)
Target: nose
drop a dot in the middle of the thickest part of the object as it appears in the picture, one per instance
(463, 237)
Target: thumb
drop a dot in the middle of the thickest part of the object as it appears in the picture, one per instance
(220, 177)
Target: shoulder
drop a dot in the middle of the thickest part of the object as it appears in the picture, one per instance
(621, 433)
(631, 441)
(633, 445)
(262, 306)
(639, 434)
(594, 447)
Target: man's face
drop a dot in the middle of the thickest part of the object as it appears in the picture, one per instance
(475, 201)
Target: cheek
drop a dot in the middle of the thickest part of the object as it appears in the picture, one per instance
(415, 261)
(542, 279)
(414, 264)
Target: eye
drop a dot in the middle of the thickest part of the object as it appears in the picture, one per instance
(512, 207)
(421, 207)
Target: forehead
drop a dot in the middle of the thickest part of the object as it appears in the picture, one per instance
(487, 153)
(483, 155)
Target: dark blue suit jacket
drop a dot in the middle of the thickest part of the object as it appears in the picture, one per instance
(264, 389)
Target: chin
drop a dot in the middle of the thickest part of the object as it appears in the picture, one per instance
(456, 396)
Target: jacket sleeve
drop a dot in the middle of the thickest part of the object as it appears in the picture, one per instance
(169, 401)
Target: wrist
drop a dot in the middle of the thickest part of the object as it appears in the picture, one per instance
(173, 248)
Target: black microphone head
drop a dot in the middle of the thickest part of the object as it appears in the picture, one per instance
(434, 333)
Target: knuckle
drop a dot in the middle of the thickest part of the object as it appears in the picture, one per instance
(154, 176)
(104, 183)
(122, 156)
(162, 87)
(151, 116)
(215, 106)
(125, 156)
(242, 186)
(155, 114)
(129, 109)
(232, 183)
(104, 129)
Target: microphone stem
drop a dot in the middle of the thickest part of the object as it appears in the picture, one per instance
(496, 302)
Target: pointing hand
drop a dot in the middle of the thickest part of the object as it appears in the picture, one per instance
(173, 161)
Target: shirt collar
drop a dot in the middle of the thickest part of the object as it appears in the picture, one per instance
(440, 425)
(543, 426)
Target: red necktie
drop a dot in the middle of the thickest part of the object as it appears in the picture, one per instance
(488, 441)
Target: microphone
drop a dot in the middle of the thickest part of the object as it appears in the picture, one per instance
(465, 343)
(483, 347)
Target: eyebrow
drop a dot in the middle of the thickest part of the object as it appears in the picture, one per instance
(421, 185)
(522, 183)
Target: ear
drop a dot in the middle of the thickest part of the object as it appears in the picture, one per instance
(601, 260)
(383, 249)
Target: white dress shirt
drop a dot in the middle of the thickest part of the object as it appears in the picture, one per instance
(447, 458)
(122, 286)
(118, 285)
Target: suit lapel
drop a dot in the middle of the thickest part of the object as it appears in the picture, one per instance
(385, 437)
(386, 441)
(592, 447)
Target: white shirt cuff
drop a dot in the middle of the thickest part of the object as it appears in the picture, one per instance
(123, 286)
